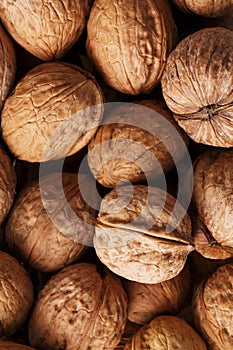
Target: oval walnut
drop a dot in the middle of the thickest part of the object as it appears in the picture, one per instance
(207, 8)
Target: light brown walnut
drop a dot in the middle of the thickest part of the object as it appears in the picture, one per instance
(197, 86)
(9, 345)
(207, 8)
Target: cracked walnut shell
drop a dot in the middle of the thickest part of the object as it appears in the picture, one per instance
(207, 8)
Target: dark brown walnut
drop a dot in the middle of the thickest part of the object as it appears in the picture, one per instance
(130, 329)
(212, 307)
(197, 86)
(143, 234)
(149, 300)
(212, 196)
(137, 141)
(207, 8)
(53, 112)
(16, 295)
(44, 28)
(8, 345)
(129, 41)
(51, 223)
(80, 308)
(165, 333)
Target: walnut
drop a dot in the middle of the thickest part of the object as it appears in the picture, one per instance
(129, 41)
(53, 112)
(212, 307)
(200, 63)
(208, 8)
(48, 231)
(149, 300)
(16, 295)
(79, 308)
(132, 143)
(9, 345)
(166, 332)
(47, 29)
(142, 234)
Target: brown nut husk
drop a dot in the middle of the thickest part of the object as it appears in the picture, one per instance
(45, 29)
(143, 234)
(149, 300)
(212, 196)
(200, 63)
(212, 307)
(53, 112)
(16, 295)
(9, 345)
(79, 308)
(48, 228)
(166, 333)
(207, 8)
(132, 144)
(129, 41)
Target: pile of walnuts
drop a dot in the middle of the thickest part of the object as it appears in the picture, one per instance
(116, 175)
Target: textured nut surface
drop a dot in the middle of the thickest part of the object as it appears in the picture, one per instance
(48, 228)
(79, 308)
(208, 8)
(129, 42)
(131, 144)
(16, 295)
(142, 234)
(8, 345)
(166, 333)
(49, 28)
(47, 116)
(200, 63)
(212, 307)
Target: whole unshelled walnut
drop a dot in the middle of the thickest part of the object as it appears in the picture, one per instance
(129, 41)
(80, 308)
(51, 223)
(16, 295)
(53, 112)
(47, 29)
(166, 333)
(208, 8)
(212, 307)
(197, 86)
(9, 345)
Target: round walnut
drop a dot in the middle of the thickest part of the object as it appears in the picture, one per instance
(143, 234)
(207, 8)
(16, 295)
(200, 63)
(51, 223)
(79, 308)
(47, 29)
(53, 112)
(8, 345)
(212, 196)
(129, 41)
(165, 333)
(212, 307)
(149, 300)
(132, 144)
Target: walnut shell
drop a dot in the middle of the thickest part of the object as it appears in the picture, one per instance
(44, 28)
(16, 295)
(208, 8)
(212, 306)
(48, 231)
(9, 345)
(53, 112)
(149, 300)
(79, 308)
(122, 150)
(166, 332)
(142, 234)
(198, 64)
(129, 41)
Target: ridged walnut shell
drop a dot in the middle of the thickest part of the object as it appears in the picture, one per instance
(47, 228)
(129, 41)
(207, 8)
(53, 112)
(143, 234)
(197, 86)
(132, 144)
(212, 307)
(9, 345)
(80, 308)
(212, 196)
(16, 295)
(166, 332)
(47, 29)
